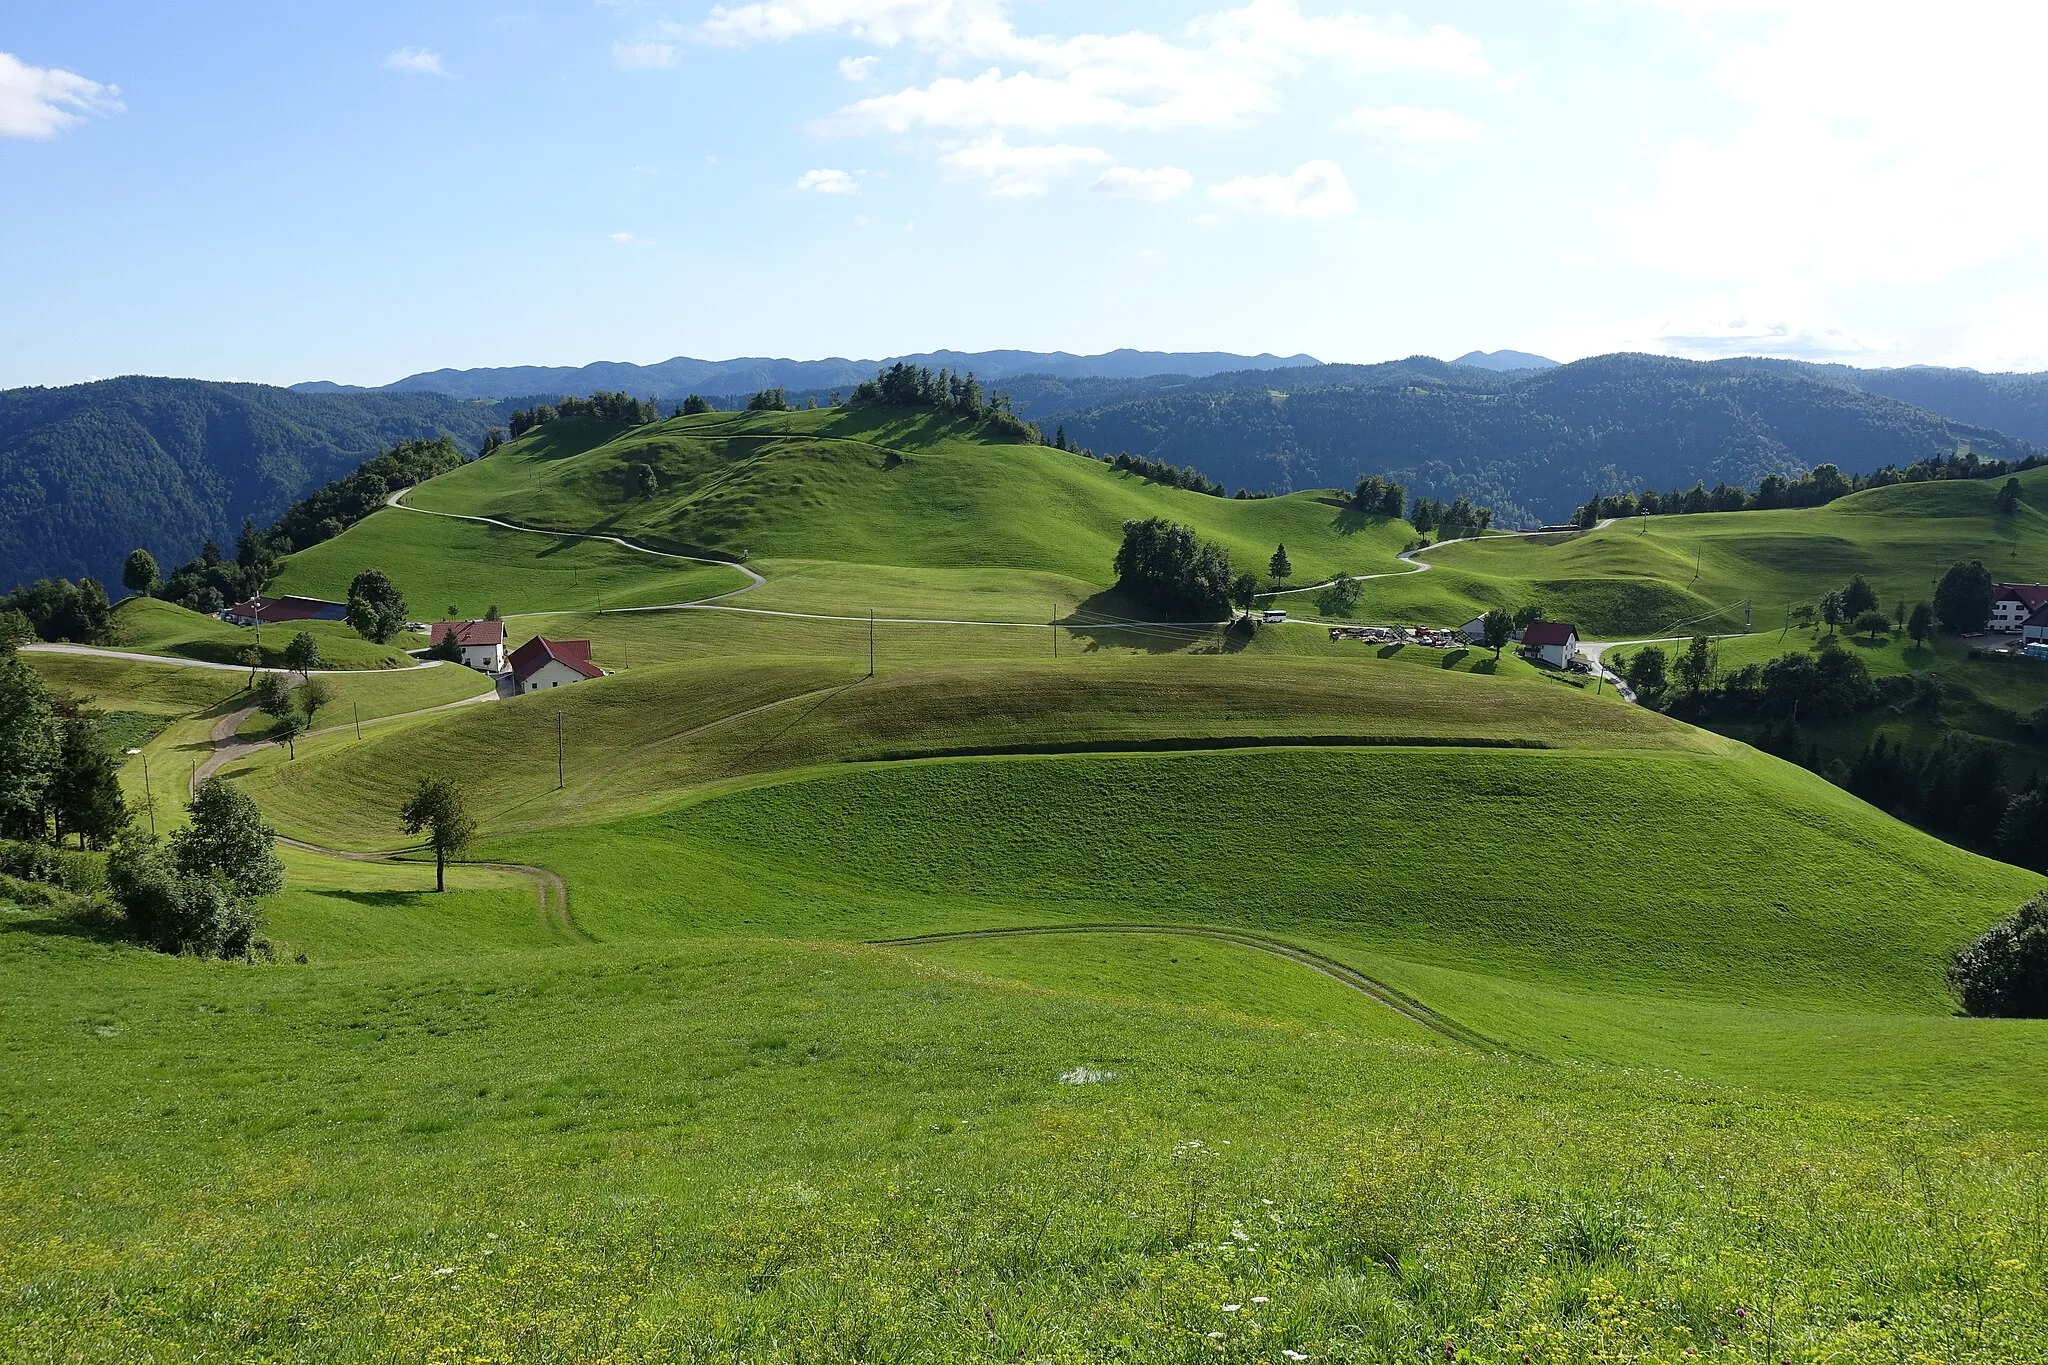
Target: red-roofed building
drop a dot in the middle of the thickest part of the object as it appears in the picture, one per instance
(542, 662)
(277, 610)
(1554, 642)
(2015, 602)
(482, 643)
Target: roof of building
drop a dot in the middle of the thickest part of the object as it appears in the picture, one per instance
(536, 653)
(2038, 621)
(478, 634)
(2033, 596)
(260, 608)
(1540, 633)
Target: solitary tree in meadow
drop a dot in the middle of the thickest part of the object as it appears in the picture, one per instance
(2009, 498)
(302, 655)
(1499, 628)
(274, 695)
(1278, 565)
(439, 809)
(1873, 622)
(139, 574)
(313, 694)
(1920, 624)
(375, 608)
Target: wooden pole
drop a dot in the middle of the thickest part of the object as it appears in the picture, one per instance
(559, 780)
(148, 796)
(357, 707)
(871, 642)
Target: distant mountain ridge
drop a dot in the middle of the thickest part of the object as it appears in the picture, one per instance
(1505, 361)
(89, 472)
(1532, 444)
(683, 375)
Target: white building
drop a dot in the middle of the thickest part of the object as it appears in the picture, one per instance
(482, 643)
(542, 663)
(2016, 602)
(1554, 642)
(2035, 628)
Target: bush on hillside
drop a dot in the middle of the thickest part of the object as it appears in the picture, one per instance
(1165, 566)
(58, 609)
(2004, 974)
(1963, 598)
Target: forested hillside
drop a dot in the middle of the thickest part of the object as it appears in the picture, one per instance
(2016, 404)
(91, 471)
(1533, 446)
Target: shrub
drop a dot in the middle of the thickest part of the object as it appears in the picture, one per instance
(175, 912)
(2004, 974)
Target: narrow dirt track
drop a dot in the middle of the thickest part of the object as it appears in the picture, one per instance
(1402, 1004)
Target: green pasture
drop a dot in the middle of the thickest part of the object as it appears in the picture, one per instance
(632, 741)
(871, 488)
(449, 569)
(148, 626)
(1648, 574)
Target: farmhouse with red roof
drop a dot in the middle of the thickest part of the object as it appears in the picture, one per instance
(1554, 642)
(482, 643)
(542, 662)
(2016, 602)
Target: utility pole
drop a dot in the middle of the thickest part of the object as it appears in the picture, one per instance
(871, 642)
(357, 707)
(148, 796)
(560, 782)
(1055, 630)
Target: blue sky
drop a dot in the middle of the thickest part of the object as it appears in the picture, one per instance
(284, 192)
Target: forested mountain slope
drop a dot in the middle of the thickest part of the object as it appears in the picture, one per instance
(2016, 404)
(1532, 446)
(90, 471)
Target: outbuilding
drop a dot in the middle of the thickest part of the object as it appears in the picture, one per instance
(270, 611)
(481, 643)
(2035, 628)
(1554, 642)
(542, 663)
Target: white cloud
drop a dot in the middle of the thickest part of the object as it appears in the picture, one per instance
(858, 69)
(1165, 182)
(828, 181)
(1883, 142)
(1018, 172)
(628, 239)
(415, 61)
(885, 23)
(38, 101)
(644, 56)
(1407, 123)
(1224, 70)
(1316, 189)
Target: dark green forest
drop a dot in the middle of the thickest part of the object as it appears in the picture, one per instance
(91, 471)
(1537, 446)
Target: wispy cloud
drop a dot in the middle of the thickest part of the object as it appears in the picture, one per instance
(1316, 189)
(1018, 172)
(858, 69)
(415, 61)
(39, 101)
(644, 56)
(826, 180)
(1407, 123)
(1131, 182)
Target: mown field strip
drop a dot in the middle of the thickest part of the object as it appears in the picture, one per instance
(1379, 991)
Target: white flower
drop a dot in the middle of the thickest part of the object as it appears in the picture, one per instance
(1294, 1355)
(1232, 1307)
(445, 1270)
(1260, 1298)
(1215, 1336)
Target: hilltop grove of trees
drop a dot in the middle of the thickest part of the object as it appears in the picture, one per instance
(1166, 566)
(1816, 488)
(602, 406)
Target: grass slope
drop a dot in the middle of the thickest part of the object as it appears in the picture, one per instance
(148, 626)
(1644, 576)
(635, 740)
(457, 569)
(893, 491)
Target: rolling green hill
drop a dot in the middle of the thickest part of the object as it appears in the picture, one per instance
(1644, 576)
(1270, 998)
(457, 569)
(844, 502)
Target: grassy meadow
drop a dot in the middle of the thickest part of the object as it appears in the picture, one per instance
(144, 625)
(456, 570)
(1646, 575)
(1675, 1077)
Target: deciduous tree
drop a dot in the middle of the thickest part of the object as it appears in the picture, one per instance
(376, 610)
(139, 573)
(439, 809)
